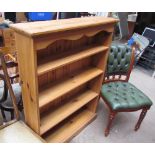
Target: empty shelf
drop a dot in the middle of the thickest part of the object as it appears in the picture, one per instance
(50, 119)
(52, 92)
(49, 63)
(71, 128)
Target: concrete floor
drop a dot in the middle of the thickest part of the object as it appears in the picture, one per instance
(123, 125)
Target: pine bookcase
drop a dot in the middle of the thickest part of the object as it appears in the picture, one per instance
(61, 65)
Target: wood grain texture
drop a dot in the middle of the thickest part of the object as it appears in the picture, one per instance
(77, 34)
(63, 59)
(71, 128)
(53, 105)
(27, 69)
(63, 72)
(46, 27)
(62, 64)
(9, 41)
(50, 119)
(100, 61)
(50, 93)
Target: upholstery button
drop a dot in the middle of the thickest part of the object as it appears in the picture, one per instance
(116, 99)
(133, 98)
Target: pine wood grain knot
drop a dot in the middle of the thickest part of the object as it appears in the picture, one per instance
(75, 100)
(71, 121)
(31, 98)
(27, 85)
(30, 93)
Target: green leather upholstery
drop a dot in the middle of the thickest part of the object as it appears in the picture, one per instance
(124, 95)
(119, 59)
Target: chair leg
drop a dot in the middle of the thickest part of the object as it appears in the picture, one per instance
(141, 117)
(20, 104)
(3, 115)
(12, 114)
(111, 118)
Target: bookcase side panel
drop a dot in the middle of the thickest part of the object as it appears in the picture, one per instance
(27, 68)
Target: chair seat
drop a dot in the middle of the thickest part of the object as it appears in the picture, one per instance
(124, 95)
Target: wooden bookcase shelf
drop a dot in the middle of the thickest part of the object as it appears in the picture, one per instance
(51, 119)
(61, 65)
(50, 93)
(60, 60)
(70, 128)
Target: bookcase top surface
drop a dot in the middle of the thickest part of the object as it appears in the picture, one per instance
(33, 29)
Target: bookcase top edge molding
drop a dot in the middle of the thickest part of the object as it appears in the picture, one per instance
(34, 29)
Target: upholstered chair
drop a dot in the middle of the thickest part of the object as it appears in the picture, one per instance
(118, 94)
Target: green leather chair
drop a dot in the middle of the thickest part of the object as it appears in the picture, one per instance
(118, 94)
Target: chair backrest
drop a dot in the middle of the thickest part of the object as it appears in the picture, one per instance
(3, 88)
(7, 84)
(120, 63)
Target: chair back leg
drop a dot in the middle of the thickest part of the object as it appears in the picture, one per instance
(110, 120)
(141, 117)
(12, 114)
(3, 115)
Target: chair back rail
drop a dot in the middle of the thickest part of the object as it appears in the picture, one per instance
(119, 75)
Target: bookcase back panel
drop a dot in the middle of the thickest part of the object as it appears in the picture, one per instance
(65, 47)
(71, 125)
(62, 73)
(63, 99)
(90, 85)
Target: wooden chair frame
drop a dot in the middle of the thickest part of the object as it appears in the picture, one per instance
(8, 83)
(112, 113)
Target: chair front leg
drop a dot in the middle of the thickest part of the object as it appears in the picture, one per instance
(110, 120)
(141, 117)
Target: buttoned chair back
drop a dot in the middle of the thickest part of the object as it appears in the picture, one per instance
(120, 63)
